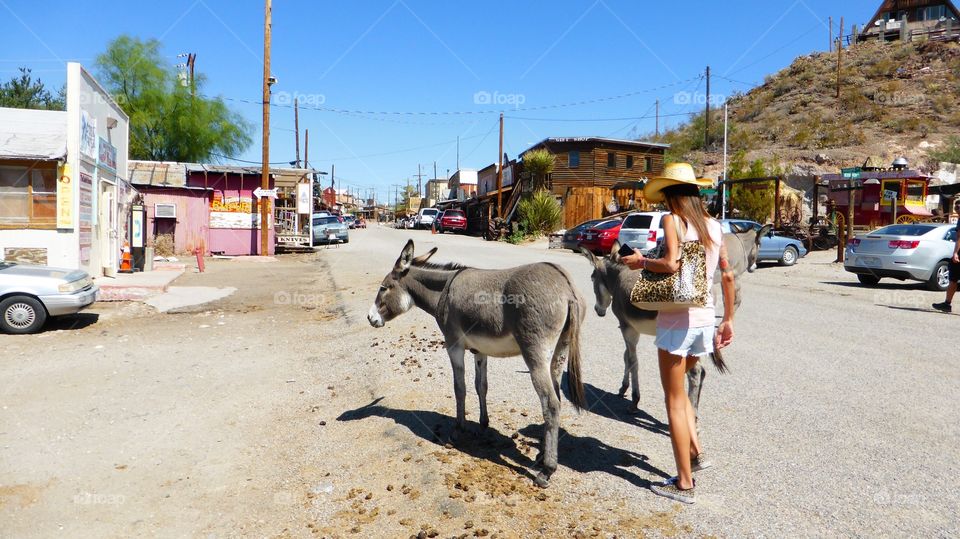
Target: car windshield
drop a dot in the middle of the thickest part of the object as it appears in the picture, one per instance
(584, 226)
(325, 220)
(456, 213)
(607, 225)
(638, 221)
(5, 264)
(430, 212)
(903, 230)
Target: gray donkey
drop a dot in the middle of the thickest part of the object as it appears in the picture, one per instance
(533, 311)
(612, 283)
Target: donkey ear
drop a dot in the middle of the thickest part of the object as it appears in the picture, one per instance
(762, 233)
(422, 259)
(590, 256)
(614, 255)
(406, 257)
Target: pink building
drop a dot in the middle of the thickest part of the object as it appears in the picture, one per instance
(210, 207)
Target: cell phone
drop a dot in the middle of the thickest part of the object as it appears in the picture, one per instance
(625, 250)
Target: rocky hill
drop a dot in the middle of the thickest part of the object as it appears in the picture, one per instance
(897, 99)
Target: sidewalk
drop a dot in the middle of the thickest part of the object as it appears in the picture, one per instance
(139, 286)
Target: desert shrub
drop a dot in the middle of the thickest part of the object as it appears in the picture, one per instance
(541, 212)
(163, 245)
(949, 151)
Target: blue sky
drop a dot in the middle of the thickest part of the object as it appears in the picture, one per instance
(420, 56)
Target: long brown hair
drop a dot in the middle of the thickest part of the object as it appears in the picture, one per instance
(684, 202)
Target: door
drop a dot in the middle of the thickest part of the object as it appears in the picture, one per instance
(109, 241)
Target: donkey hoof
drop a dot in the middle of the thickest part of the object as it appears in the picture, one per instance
(542, 480)
(623, 391)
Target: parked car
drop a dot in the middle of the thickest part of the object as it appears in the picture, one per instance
(600, 238)
(425, 217)
(916, 252)
(452, 220)
(773, 248)
(350, 221)
(572, 237)
(29, 295)
(361, 222)
(330, 229)
(642, 230)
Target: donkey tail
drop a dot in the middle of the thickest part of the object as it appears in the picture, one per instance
(577, 395)
(718, 361)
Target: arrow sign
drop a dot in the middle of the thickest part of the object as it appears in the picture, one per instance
(260, 192)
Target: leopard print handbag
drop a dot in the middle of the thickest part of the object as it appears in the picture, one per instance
(674, 291)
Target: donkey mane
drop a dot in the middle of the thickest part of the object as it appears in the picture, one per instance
(443, 266)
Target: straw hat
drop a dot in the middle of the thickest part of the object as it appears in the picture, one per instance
(673, 174)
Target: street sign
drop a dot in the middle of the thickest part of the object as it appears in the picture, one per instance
(889, 194)
(851, 173)
(260, 192)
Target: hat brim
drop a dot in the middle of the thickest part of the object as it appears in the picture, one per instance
(653, 191)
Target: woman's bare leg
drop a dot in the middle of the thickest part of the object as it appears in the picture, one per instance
(692, 416)
(672, 378)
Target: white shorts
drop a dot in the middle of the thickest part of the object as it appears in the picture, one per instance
(686, 342)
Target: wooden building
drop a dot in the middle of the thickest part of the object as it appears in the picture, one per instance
(906, 19)
(587, 169)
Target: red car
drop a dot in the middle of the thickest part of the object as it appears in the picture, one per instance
(452, 220)
(599, 240)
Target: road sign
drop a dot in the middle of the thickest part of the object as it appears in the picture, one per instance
(851, 173)
(889, 194)
(260, 192)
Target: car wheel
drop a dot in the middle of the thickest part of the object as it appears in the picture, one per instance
(790, 256)
(870, 280)
(22, 314)
(940, 278)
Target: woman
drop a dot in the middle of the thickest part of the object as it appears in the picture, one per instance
(684, 336)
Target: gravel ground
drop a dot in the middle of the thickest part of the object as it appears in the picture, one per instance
(280, 412)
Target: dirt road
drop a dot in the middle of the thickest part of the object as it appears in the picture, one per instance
(279, 411)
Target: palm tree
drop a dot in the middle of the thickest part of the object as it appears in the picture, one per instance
(538, 163)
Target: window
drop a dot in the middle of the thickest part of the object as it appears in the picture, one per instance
(638, 221)
(611, 160)
(915, 192)
(647, 164)
(931, 13)
(573, 159)
(28, 195)
(629, 161)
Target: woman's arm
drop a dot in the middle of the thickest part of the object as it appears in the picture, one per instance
(728, 284)
(670, 263)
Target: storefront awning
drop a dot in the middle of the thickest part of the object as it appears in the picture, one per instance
(33, 134)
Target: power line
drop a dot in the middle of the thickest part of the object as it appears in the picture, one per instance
(778, 49)
(462, 112)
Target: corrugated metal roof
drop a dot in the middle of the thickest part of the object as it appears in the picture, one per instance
(158, 173)
(33, 134)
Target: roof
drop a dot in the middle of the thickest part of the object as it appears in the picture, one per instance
(901, 5)
(33, 134)
(596, 140)
(173, 174)
(157, 173)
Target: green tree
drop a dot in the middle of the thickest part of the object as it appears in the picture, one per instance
(540, 212)
(168, 120)
(538, 163)
(753, 201)
(22, 92)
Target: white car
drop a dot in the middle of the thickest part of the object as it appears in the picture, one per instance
(426, 217)
(30, 294)
(642, 230)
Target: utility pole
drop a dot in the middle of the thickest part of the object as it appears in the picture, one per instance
(657, 129)
(458, 154)
(306, 149)
(723, 189)
(839, 54)
(296, 127)
(191, 61)
(265, 177)
(831, 34)
(706, 131)
(500, 173)
(419, 180)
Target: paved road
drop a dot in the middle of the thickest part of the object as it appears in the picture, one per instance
(280, 412)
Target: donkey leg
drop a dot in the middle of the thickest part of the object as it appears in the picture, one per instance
(631, 367)
(695, 377)
(459, 385)
(481, 384)
(543, 384)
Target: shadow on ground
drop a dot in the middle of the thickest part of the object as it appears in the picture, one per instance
(71, 321)
(579, 453)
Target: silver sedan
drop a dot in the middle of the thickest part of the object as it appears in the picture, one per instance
(30, 294)
(916, 252)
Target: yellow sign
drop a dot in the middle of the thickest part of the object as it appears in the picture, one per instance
(64, 198)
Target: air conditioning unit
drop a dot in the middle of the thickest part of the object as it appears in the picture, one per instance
(165, 211)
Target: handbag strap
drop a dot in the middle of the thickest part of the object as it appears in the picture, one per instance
(680, 234)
